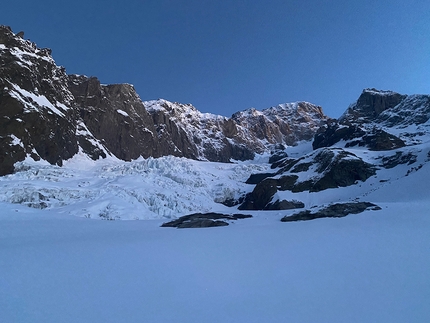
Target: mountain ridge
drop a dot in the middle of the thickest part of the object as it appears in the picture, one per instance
(49, 115)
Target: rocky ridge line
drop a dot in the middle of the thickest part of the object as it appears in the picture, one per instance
(46, 114)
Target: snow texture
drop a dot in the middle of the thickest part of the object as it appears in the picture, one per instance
(58, 266)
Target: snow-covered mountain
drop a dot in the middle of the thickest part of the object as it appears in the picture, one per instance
(72, 148)
(64, 140)
(49, 115)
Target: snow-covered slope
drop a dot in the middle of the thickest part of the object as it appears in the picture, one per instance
(370, 267)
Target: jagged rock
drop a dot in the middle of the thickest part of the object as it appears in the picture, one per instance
(377, 109)
(354, 135)
(36, 118)
(47, 114)
(204, 220)
(331, 168)
(284, 124)
(287, 182)
(115, 116)
(362, 122)
(379, 140)
(397, 159)
(277, 157)
(340, 168)
(334, 132)
(370, 105)
(261, 196)
(412, 110)
(337, 210)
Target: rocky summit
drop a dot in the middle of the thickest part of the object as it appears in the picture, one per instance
(46, 114)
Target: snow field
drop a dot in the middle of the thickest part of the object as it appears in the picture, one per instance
(371, 267)
(58, 266)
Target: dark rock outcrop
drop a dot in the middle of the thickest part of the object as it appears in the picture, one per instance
(330, 168)
(397, 159)
(261, 196)
(116, 117)
(36, 118)
(339, 168)
(204, 220)
(354, 135)
(370, 105)
(337, 210)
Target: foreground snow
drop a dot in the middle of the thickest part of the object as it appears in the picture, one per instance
(371, 267)
(58, 267)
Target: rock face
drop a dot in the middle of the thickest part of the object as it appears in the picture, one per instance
(116, 117)
(381, 121)
(317, 171)
(47, 114)
(376, 121)
(36, 115)
(197, 135)
(354, 135)
(283, 124)
(370, 105)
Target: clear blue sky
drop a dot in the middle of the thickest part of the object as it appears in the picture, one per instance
(226, 56)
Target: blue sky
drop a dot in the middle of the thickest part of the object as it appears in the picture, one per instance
(226, 56)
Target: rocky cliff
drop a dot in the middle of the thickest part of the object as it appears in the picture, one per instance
(381, 131)
(49, 115)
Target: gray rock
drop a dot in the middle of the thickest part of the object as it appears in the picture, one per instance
(204, 220)
(332, 211)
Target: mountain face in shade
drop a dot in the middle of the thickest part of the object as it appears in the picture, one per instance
(46, 114)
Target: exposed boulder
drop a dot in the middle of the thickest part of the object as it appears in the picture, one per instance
(333, 167)
(285, 205)
(337, 210)
(261, 196)
(204, 220)
(339, 168)
(258, 177)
